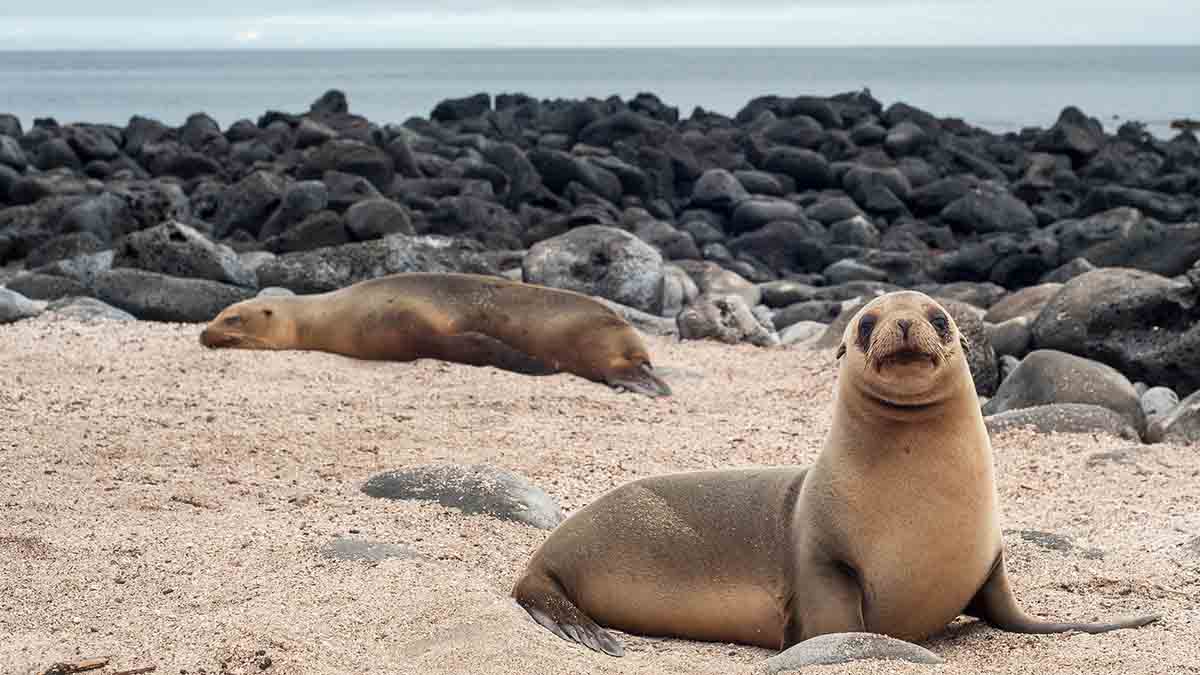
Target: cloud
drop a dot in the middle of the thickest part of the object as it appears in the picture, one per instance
(247, 36)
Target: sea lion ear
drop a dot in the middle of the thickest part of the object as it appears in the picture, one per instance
(841, 350)
(966, 346)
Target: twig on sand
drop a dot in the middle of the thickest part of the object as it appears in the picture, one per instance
(137, 671)
(79, 666)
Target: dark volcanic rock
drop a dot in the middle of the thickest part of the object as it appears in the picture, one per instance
(375, 218)
(1027, 302)
(758, 211)
(718, 189)
(63, 247)
(247, 204)
(456, 109)
(180, 251)
(479, 219)
(38, 286)
(473, 489)
(1155, 204)
(11, 153)
(784, 245)
(883, 191)
(809, 169)
(600, 261)
(1075, 135)
(300, 200)
(989, 208)
(1124, 237)
(346, 190)
(1144, 325)
(327, 269)
(320, 230)
(354, 158)
(1048, 376)
(158, 297)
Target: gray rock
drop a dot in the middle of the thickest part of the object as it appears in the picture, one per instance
(354, 158)
(1181, 425)
(358, 550)
(37, 286)
(1013, 337)
(712, 279)
(89, 309)
(1158, 401)
(1048, 376)
(375, 218)
(1007, 364)
(802, 334)
(247, 204)
(1065, 418)
(600, 261)
(718, 189)
(83, 269)
(1145, 325)
(848, 269)
(989, 208)
(978, 294)
(726, 318)
(473, 489)
(15, 307)
(1027, 302)
(1125, 237)
(274, 292)
(820, 311)
(1068, 271)
(158, 297)
(834, 648)
(327, 269)
(320, 230)
(178, 250)
(646, 323)
(11, 153)
(299, 201)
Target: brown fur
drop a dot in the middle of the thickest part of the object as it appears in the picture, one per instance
(463, 318)
(894, 529)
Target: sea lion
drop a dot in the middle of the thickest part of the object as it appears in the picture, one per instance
(894, 529)
(463, 318)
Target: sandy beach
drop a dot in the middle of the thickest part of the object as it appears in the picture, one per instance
(166, 505)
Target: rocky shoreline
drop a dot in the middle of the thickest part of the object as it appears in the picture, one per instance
(1069, 255)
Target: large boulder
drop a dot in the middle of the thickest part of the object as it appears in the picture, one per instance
(718, 189)
(375, 218)
(989, 208)
(1181, 425)
(247, 204)
(601, 261)
(180, 251)
(1048, 376)
(352, 157)
(1063, 418)
(300, 200)
(753, 213)
(1074, 134)
(1144, 325)
(157, 297)
(1125, 237)
(326, 269)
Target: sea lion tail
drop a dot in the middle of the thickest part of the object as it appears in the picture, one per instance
(543, 598)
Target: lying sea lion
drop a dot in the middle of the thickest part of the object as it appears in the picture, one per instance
(894, 529)
(463, 318)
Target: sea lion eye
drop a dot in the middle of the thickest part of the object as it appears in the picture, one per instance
(232, 320)
(268, 312)
(866, 325)
(940, 323)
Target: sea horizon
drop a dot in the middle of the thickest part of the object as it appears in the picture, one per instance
(1002, 88)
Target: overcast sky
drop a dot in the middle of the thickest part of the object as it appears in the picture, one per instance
(154, 24)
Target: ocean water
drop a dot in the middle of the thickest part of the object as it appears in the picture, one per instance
(1001, 88)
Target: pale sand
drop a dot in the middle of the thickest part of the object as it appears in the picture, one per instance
(166, 505)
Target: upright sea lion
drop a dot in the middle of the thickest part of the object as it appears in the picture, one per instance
(894, 529)
(464, 318)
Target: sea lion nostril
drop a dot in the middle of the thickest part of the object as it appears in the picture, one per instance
(904, 325)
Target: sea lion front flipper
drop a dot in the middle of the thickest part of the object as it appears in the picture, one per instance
(545, 601)
(828, 599)
(996, 604)
(477, 349)
(639, 379)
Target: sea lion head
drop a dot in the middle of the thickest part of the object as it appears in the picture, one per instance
(251, 324)
(903, 351)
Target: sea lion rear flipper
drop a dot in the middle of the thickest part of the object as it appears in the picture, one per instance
(477, 349)
(544, 600)
(996, 604)
(640, 379)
